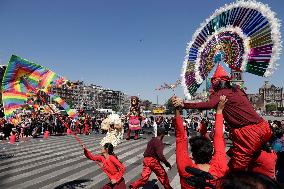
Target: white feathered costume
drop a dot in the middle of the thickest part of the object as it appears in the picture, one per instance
(113, 125)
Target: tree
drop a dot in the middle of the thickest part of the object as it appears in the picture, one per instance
(147, 104)
(169, 106)
(271, 107)
(115, 108)
(281, 109)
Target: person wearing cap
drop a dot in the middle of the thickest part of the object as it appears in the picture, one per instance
(153, 155)
(249, 131)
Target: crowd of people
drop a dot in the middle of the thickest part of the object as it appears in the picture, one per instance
(208, 156)
(195, 129)
(255, 159)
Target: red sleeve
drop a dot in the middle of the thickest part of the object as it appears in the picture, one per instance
(160, 154)
(182, 157)
(119, 166)
(218, 164)
(203, 129)
(212, 103)
(90, 156)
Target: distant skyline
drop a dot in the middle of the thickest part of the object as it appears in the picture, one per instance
(128, 45)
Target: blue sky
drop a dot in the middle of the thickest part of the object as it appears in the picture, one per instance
(127, 45)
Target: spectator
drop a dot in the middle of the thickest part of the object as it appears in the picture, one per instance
(247, 180)
(202, 149)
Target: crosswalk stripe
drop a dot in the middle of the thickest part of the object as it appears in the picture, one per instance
(33, 143)
(91, 163)
(31, 152)
(133, 173)
(36, 156)
(61, 163)
(40, 163)
(92, 169)
(126, 163)
(59, 172)
(40, 141)
(171, 160)
(22, 149)
(48, 167)
(176, 181)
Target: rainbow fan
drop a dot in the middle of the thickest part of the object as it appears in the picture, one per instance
(244, 35)
(71, 112)
(23, 78)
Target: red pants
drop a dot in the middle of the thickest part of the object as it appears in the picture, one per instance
(118, 185)
(247, 141)
(151, 164)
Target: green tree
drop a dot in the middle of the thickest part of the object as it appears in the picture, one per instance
(115, 108)
(280, 109)
(147, 104)
(169, 106)
(271, 107)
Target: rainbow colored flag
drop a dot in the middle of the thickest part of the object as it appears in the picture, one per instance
(23, 77)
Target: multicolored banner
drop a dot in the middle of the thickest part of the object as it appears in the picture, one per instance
(22, 78)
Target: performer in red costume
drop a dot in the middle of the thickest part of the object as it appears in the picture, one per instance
(110, 165)
(134, 118)
(264, 163)
(46, 134)
(202, 149)
(13, 137)
(86, 125)
(249, 131)
(151, 163)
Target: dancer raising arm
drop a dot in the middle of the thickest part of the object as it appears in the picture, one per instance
(248, 130)
(202, 149)
(109, 163)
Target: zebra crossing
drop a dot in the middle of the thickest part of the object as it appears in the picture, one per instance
(59, 162)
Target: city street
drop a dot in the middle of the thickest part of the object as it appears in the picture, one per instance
(209, 72)
(59, 162)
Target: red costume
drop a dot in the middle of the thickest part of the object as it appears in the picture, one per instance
(265, 164)
(134, 118)
(113, 168)
(86, 126)
(46, 134)
(12, 139)
(218, 163)
(249, 131)
(203, 129)
(69, 131)
(152, 157)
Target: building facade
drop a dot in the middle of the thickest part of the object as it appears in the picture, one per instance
(267, 94)
(271, 94)
(256, 101)
(92, 97)
(88, 97)
(237, 78)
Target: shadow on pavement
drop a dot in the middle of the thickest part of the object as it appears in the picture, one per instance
(74, 184)
(6, 156)
(151, 185)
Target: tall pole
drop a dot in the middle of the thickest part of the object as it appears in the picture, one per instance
(157, 99)
(206, 88)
